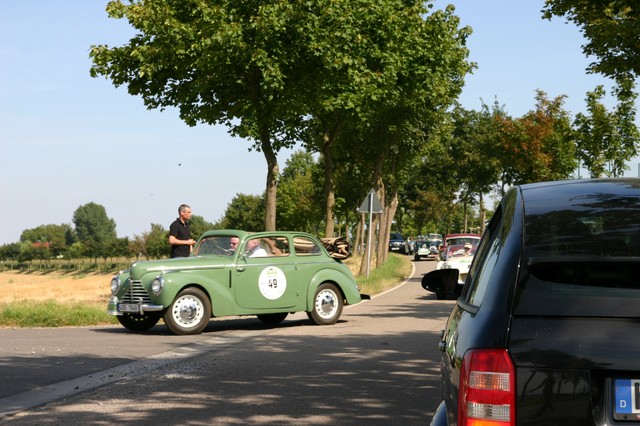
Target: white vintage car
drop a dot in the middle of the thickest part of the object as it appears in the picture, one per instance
(458, 256)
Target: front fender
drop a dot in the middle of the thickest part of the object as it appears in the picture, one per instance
(218, 290)
(345, 283)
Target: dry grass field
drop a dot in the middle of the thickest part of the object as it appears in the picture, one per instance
(35, 286)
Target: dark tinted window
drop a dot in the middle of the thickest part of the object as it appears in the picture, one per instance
(590, 223)
(485, 259)
(581, 254)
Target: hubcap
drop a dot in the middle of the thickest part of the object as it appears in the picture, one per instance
(325, 303)
(188, 311)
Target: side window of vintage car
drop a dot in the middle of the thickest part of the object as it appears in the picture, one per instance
(305, 247)
(486, 257)
(276, 245)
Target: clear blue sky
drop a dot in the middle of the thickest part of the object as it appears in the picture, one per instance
(67, 139)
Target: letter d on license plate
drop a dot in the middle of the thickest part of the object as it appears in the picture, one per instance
(627, 399)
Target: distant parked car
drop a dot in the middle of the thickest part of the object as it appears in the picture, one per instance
(285, 272)
(396, 243)
(544, 329)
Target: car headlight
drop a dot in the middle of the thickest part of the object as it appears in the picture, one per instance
(157, 285)
(115, 285)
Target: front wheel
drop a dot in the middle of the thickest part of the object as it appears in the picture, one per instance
(135, 322)
(327, 305)
(189, 313)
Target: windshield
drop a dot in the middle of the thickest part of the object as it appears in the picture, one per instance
(460, 250)
(462, 240)
(220, 245)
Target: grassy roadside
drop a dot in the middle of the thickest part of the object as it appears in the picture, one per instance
(59, 300)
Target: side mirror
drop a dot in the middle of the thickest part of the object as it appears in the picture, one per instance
(443, 282)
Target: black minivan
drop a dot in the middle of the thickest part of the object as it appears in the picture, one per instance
(546, 328)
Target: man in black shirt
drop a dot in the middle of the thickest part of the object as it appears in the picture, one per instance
(179, 233)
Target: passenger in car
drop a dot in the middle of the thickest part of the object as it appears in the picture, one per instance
(254, 249)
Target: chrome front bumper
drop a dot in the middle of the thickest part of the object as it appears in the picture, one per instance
(117, 308)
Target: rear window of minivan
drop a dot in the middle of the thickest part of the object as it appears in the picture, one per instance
(580, 262)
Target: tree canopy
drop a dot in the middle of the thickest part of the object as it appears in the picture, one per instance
(263, 68)
(607, 139)
(95, 230)
(612, 30)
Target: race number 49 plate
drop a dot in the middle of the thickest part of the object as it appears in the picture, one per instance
(627, 399)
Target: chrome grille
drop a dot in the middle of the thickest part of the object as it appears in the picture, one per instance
(135, 294)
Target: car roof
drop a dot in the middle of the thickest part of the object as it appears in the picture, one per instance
(597, 198)
(244, 234)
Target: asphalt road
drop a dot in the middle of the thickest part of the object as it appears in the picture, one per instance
(377, 365)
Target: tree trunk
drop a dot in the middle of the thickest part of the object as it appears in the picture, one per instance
(272, 178)
(329, 193)
(389, 213)
(358, 243)
(483, 214)
(383, 237)
(369, 245)
(465, 224)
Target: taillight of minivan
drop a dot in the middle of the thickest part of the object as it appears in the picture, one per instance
(487, 389)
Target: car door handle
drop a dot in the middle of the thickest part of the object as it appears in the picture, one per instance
(241, 269)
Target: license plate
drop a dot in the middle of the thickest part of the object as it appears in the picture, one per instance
(127, 307)
(627, 399)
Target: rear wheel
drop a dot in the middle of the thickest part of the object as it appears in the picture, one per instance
(189, 313)
(272, 318)
(135, 322)
(327, 305)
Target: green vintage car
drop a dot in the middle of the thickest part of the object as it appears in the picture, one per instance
(270, 274)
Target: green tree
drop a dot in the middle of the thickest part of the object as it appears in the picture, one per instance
(245, 212)
(299, 194)
(410, 116)
(120, 247)
(611, 30)
(58, 237)
(607, 139)
(156, 242)
(198, 226)
(94, 229)
(10, 251)
(471, 161)
(387, 69)
(76, 250)
(28, 252)
(260, 67)
(218, 62)
(137, 246)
